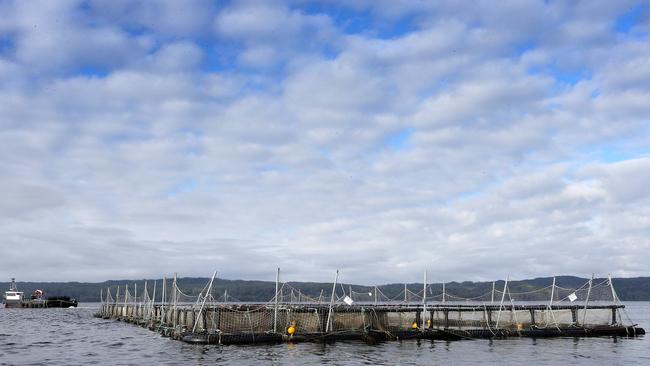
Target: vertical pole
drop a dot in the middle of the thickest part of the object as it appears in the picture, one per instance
(492, 299)
(503, 297)
(117, 294)
(375, 294)
(584, 314)
(126, 295)
(275, 308)
(550, 305)
(614, 309)
(299, 296)
(145, 298)
(552, 293)
(405, 300)
(163, 298)
(611, 285)
(101, 295)
(424, 301)
(444, 292)
(328, 326)
(153, 300)
(108, 298)
(174, 315)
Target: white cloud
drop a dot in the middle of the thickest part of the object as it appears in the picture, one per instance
(259, 133)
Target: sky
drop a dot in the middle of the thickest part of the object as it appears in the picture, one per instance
(379, 137)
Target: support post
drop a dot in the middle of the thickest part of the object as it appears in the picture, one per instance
(163, 299)
(492, 299)
(584, 315)
(550, 305)
(175, 297)
(552, 293)
(611, 285)
(405, 300)
(574, 315)
(126, 295)
(614, 310)
(275, 307)
(424, 301)
(375, 294)
(444, 292)
(144, 305)
(503, 297)
(446, 312)
(328, 326)
(205, 297)
(532, 317)
(153, 300)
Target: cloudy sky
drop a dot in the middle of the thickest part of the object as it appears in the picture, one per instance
(381, 137)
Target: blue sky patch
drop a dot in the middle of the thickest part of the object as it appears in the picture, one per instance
(627, 21)
(92, 71)
(352, 21)
(6, 44)
(524, 47)
(399, 141)
(564, 76)
(186, 186)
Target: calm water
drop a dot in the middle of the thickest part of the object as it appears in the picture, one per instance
(74, 337)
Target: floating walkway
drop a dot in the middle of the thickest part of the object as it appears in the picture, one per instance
(206, 320)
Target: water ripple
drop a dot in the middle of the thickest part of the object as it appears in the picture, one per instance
(73, 337)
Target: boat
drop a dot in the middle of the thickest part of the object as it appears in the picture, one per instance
(61, 302)
(13, 298)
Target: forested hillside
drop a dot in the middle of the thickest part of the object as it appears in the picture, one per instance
(627, 288)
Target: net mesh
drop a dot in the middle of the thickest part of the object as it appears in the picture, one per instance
(291, 311)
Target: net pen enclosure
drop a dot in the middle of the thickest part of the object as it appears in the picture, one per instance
(371, 315)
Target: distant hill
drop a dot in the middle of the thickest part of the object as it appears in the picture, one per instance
(628, 289)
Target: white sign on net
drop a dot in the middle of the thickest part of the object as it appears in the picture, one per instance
(573, 297)
(348, 300)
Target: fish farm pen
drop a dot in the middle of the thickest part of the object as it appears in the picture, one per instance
(593, 309)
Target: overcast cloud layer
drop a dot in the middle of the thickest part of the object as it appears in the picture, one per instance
(138, 138)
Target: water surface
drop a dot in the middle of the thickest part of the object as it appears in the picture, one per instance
(75, 337)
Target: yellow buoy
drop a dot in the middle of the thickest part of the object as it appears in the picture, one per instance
(520, 326)
(428, 322)
(414, 325)
(292, 328)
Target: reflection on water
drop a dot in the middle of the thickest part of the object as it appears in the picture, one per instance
(73, 336)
